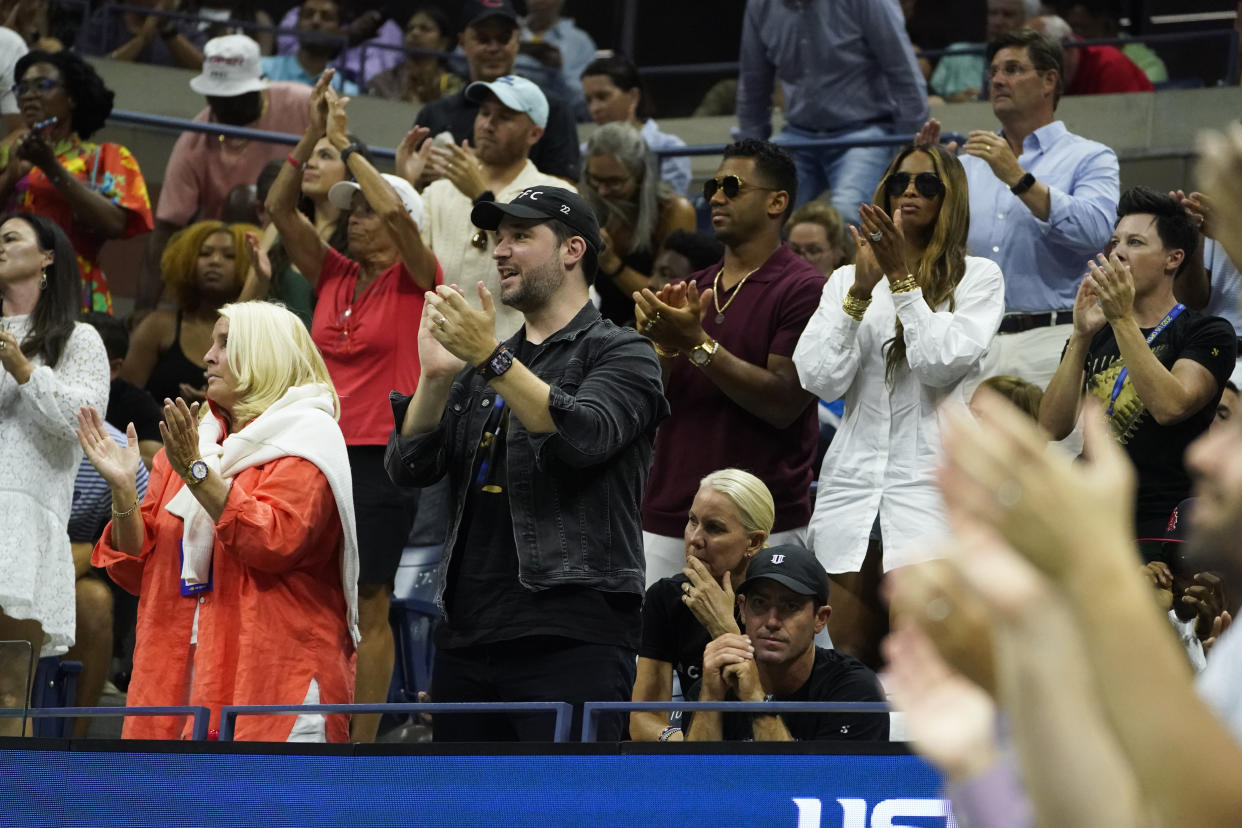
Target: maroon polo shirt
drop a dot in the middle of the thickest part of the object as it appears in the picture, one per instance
(708, 431)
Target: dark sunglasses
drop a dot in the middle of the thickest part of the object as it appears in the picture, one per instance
(928, 184)
(730, 185)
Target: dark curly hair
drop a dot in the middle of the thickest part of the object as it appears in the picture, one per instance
(772, 163)
(92, 100)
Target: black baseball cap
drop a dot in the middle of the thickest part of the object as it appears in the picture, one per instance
(542, 204)
(472, 11)
(790, 566)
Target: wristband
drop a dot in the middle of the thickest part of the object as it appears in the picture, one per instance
(293, 162)
(905, 285)
(349, 150)
(667, 733)
(1025, 183)
(127, 512)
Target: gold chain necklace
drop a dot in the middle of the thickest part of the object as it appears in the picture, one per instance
(720, 311)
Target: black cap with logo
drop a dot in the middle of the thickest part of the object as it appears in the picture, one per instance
(790, 566)
(473, 11)
(541, 204)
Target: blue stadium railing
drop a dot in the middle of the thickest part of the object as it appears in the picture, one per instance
(592, 710)
(198, 732)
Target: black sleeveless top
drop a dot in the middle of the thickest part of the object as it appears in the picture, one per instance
(173, 368)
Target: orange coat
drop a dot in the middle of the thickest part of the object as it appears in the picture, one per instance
(274, 619)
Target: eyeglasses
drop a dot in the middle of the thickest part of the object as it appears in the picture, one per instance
(611, 183)
(1010, 69)
(730, 185)
(37, 85)
(928, 184)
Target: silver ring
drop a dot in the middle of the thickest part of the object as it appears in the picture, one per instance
(876, 236)
(1009, 493)
(937, 609)
(3, 345)
(442, 321)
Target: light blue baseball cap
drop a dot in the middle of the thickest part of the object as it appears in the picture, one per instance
(517, 93)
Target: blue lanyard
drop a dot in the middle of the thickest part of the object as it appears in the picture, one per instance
(1151, 337)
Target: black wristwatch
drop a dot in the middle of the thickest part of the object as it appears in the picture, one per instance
(349, 150)
(500, 361)
(1025, 183)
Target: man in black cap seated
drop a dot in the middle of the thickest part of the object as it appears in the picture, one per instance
(489, 39)
(546, 439)
(783, 603)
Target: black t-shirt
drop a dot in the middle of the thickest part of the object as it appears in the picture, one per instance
(1157, 451)
(834, 677)
(484, 598)
(127, 403)
(671, 633)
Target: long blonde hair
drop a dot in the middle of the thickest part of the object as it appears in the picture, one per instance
(269, 352)
(944, 260)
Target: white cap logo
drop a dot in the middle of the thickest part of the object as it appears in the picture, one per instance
(778, 559)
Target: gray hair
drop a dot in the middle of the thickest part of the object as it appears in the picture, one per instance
(624, 143)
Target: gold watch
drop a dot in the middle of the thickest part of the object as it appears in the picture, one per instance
(702, 354)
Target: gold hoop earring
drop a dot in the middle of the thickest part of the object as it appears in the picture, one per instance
(43, 281)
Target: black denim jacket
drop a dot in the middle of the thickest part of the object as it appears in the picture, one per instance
(575, 494)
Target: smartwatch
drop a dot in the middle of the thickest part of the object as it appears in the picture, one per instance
(1025, 183)
(495, 365)
(349, 150)
(196, 473)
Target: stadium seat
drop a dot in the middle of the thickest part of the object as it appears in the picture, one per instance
(55, 685)
(413, 615)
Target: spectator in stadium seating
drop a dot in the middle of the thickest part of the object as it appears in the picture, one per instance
(12, 48)
(726, 339)
(817, 234)
(49, 366)
(637, 209)
(1042, 202)
(93, 633)
(556, 42)
(1228, 405)
(279, 280)
(960, 77)
(421, 78)
(728, 525)
(374, 44)
(783, 603)
(364, 306)
(1101, 20)
(1092, 70)
(127, 403)
(546, 439)
(1024, 396)
(489, 39)
(1210, 272)
(250, 512)
(217, 18)
(204, 266)
(94, 191)
(141, 38)
(203, 169)
(511, 115)
(615, 93)
(38, 26)
(322, 42)
(1156, 365)
(896, 335)
(849, 73)
(684, 252)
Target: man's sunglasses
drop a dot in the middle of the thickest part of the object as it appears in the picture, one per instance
(928, 184)
(730, 185)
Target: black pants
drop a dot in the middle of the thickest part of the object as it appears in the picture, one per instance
(539, 668)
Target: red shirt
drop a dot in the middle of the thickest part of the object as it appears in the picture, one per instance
(1105, 69)
(708, 431)
(273, 619)
(370, 344)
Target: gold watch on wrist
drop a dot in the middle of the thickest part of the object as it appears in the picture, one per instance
(701, 355)
(196, 473)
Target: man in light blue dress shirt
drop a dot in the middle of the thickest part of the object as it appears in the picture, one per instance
(847, 71)
(1042, 202)
(321, 20)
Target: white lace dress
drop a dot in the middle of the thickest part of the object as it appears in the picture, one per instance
(39, 456)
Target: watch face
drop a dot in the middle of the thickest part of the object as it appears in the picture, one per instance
(501, 362)
(198, 470)
(698, 356)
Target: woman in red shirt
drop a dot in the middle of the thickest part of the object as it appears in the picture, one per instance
(244, 553)
(366, 325)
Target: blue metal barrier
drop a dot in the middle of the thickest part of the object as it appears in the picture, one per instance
(591, 710)
(560, 731)
(201, 715)
(812, 143)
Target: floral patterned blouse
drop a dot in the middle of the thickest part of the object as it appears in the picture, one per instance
(110, 170)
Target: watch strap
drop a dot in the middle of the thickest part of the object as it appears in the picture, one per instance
(1025, 183)
(500, 361)
(349, 150)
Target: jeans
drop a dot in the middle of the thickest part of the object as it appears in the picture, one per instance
(852, 174)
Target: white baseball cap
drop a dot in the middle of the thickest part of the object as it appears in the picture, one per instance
(518, 94)
(230, 67)
(342, 195)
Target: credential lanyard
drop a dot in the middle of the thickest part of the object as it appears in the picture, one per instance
(1151, 337)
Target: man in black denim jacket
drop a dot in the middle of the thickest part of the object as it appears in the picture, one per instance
(546, 439)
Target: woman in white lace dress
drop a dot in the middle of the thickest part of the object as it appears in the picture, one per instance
(50, 366)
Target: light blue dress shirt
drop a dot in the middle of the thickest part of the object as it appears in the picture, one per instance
(1043, 261)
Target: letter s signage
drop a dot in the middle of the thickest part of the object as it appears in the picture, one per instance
(883, 815)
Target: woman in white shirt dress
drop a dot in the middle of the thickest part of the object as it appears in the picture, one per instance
(895, 335)
(50, 366)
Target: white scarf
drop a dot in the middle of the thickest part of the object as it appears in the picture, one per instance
(300, 424)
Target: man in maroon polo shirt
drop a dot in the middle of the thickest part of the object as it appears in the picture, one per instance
(726, 340)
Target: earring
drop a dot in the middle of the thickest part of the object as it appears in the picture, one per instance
(43, 281)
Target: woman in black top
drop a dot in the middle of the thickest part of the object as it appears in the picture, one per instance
(729, 522)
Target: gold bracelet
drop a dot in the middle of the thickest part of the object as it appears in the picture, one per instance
(660, 352)
(904, 285)
(855, 307)
(127, 512)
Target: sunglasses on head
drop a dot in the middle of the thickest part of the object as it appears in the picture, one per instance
(928, 184)
(730, 185)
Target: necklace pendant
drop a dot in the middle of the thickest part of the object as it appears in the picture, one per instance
(720, 319)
